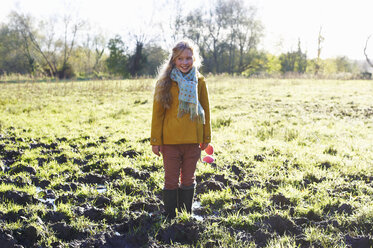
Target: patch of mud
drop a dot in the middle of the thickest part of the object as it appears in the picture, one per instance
(281, 225)
(7, 240)
(94, 214)
(184, 233)
(148, 206)
(261, 237)
(9, 157)
(130, 154)
(142, 175)
(18, 197)
(66, 232)
(259, 157)
(54, 217)
(280, 200)
(209, 185)
(102, 201)
(22, 168)
(92, 178)
(18, 181)
(359, 241)
(66, 187)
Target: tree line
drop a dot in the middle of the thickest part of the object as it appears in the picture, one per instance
(228, 35)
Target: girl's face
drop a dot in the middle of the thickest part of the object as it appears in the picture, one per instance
(184, 62)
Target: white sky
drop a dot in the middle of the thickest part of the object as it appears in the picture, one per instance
(345, 23)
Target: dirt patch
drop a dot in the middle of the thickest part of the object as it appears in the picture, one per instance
(359, 241)
(209, 185)
(7, 240)
(54, 217)
(281, 225)
(142, 175)
(145, 206)
(22, 168)
(93, 178)
(130, 154)
(184, 233)
(280, 200)
(259, 157)
(18, 197)
(94, 214)
(66, 232)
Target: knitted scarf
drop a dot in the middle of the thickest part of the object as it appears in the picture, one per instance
(188, 94)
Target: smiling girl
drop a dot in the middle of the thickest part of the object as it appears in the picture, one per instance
(180, 125)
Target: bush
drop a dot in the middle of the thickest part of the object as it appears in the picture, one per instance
(66, 72)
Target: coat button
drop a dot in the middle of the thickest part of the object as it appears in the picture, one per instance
(154, 139)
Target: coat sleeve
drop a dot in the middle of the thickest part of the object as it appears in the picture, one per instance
(204, 100)
(156, 137)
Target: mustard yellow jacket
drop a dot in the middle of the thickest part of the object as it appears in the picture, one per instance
(168, 129)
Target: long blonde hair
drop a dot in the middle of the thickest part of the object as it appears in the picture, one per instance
(162, 91)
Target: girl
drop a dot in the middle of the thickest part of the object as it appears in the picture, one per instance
(180, 125)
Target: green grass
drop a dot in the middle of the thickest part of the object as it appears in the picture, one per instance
(309, 141)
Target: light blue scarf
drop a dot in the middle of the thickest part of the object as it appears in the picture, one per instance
(188, 94)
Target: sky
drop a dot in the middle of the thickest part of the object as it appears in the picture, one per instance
(345, 24)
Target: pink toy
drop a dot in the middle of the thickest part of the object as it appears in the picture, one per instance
(209, 150)
(208, 159)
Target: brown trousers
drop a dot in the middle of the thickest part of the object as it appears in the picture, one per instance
(180, 162)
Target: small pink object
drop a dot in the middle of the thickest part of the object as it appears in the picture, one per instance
(208, 159)
(209, 150)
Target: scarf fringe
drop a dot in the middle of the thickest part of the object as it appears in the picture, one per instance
(195, 111)
(189, 106)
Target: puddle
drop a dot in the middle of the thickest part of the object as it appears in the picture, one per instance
(197, 217)
(49, 201)
(197, 204)
(101, 188)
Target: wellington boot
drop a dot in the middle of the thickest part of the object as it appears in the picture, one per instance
(170, 202)
(186, 199)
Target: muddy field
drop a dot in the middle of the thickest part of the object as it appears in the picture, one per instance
(293, 166)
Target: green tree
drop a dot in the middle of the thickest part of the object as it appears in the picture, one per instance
(155, 56)
(137, 61)
(117, 62)
(294, 61)
(12, 53)
(343, 64)
(262, 63)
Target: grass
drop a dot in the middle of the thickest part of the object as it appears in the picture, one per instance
(303, 148)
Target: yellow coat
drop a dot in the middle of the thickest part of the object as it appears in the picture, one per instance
(168, 129)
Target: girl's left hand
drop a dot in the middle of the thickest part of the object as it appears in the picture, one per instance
(203, 146)
(156, 150)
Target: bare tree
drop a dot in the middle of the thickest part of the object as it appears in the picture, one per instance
(320, 39)
(69, 38)
(365, 52)
(249, 33)
(215, 25)
(26, 44)
(93, 48)
(24, 25)
(51, 51)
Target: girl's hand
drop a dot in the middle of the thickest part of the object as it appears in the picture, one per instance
(156, 150)
(203, 146)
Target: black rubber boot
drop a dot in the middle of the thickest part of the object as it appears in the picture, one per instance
(186, 199)
(170, 202)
